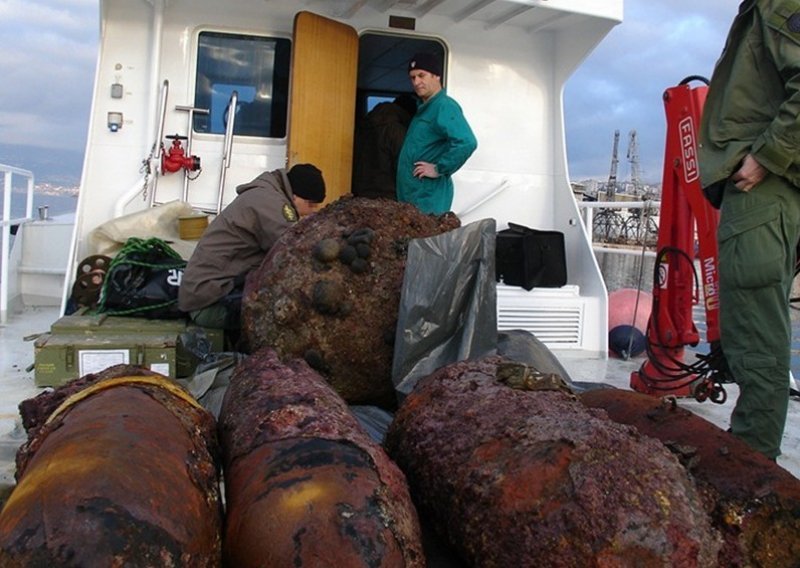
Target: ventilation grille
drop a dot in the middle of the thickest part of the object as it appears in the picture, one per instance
(555, 317)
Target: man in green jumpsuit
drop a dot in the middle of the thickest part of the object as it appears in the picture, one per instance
(438, 142)
(749, 157)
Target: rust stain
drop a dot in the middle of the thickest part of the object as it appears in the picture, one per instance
(303, 481)
(533, 478)
(126, 476)
(753, 502)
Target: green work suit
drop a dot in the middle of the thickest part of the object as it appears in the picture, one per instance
(752, 107)
(438, 134)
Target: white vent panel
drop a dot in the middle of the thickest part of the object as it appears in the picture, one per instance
(553, 315)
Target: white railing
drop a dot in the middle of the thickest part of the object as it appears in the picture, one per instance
(588, 207)
(5, 248)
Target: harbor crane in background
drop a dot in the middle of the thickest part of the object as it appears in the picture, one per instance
(633, 160)
(640, 225)
(609, 223)
(611, 186)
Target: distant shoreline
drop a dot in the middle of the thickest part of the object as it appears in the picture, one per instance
(57, 203)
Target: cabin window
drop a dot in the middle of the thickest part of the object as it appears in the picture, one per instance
(257, 68)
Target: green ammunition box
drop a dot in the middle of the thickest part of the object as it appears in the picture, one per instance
(80, 344)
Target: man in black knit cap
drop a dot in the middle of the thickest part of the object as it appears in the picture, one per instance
(239, 238)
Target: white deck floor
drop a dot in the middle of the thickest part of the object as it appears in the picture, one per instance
(16, 384)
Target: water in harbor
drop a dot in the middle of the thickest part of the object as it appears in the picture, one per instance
(626, 270)
(56, 204)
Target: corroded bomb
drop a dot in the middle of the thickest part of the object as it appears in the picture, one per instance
(754, 502)
(303, 481)
(281, 304)
(534, 478)
(120, 473)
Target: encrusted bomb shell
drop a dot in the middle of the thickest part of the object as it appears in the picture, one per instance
(280, 308)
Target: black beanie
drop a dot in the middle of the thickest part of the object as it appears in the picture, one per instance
(427, 62)
(307, 182)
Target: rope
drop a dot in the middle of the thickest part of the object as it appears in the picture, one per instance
(643, 236)
(142, 253)
(146, 380)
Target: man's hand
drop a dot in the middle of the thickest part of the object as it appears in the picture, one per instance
(749, 175)
(425, 169)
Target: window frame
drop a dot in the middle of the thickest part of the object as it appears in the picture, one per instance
(212, 124)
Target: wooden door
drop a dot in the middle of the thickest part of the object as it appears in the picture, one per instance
(323, 98)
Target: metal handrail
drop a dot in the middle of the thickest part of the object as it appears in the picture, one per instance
(588, 208)
(154, 159)
(227, 146)
(5, 232)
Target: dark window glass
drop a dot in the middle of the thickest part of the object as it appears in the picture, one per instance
(257, 68)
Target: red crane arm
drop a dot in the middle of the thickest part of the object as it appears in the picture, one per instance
(687, 232)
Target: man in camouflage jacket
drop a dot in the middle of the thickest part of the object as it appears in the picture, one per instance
(750, 159)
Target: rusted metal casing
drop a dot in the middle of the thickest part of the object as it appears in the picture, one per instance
(533, 478)
(753, 502)
(304, 484)
(121, 474)
(329, 292)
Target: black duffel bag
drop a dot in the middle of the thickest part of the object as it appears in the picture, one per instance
(143, 280)
(530, 258)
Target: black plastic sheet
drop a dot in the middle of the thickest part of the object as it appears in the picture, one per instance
(448, 304)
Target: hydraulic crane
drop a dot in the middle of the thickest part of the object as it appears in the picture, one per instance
(687, 233)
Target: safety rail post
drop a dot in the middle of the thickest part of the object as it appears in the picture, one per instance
(8, 222)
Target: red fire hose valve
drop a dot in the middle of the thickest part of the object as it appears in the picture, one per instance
(176, 159)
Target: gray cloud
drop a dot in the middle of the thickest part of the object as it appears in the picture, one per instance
(620, 85)
(47, 66)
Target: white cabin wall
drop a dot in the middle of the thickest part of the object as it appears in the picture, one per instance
(250, 156)
(503, 88)
(508, 79)
(571, 47)
(502, 77)
(113, 159)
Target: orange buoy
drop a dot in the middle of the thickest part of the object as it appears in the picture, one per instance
(628, 314)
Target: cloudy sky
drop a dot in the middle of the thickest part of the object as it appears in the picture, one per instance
(619, 87)
(47, 67)
(49, 51)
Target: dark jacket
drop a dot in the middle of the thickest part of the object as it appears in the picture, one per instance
(237, 240)
(378, 141)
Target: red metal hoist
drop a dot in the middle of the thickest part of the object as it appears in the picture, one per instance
(686, 236)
